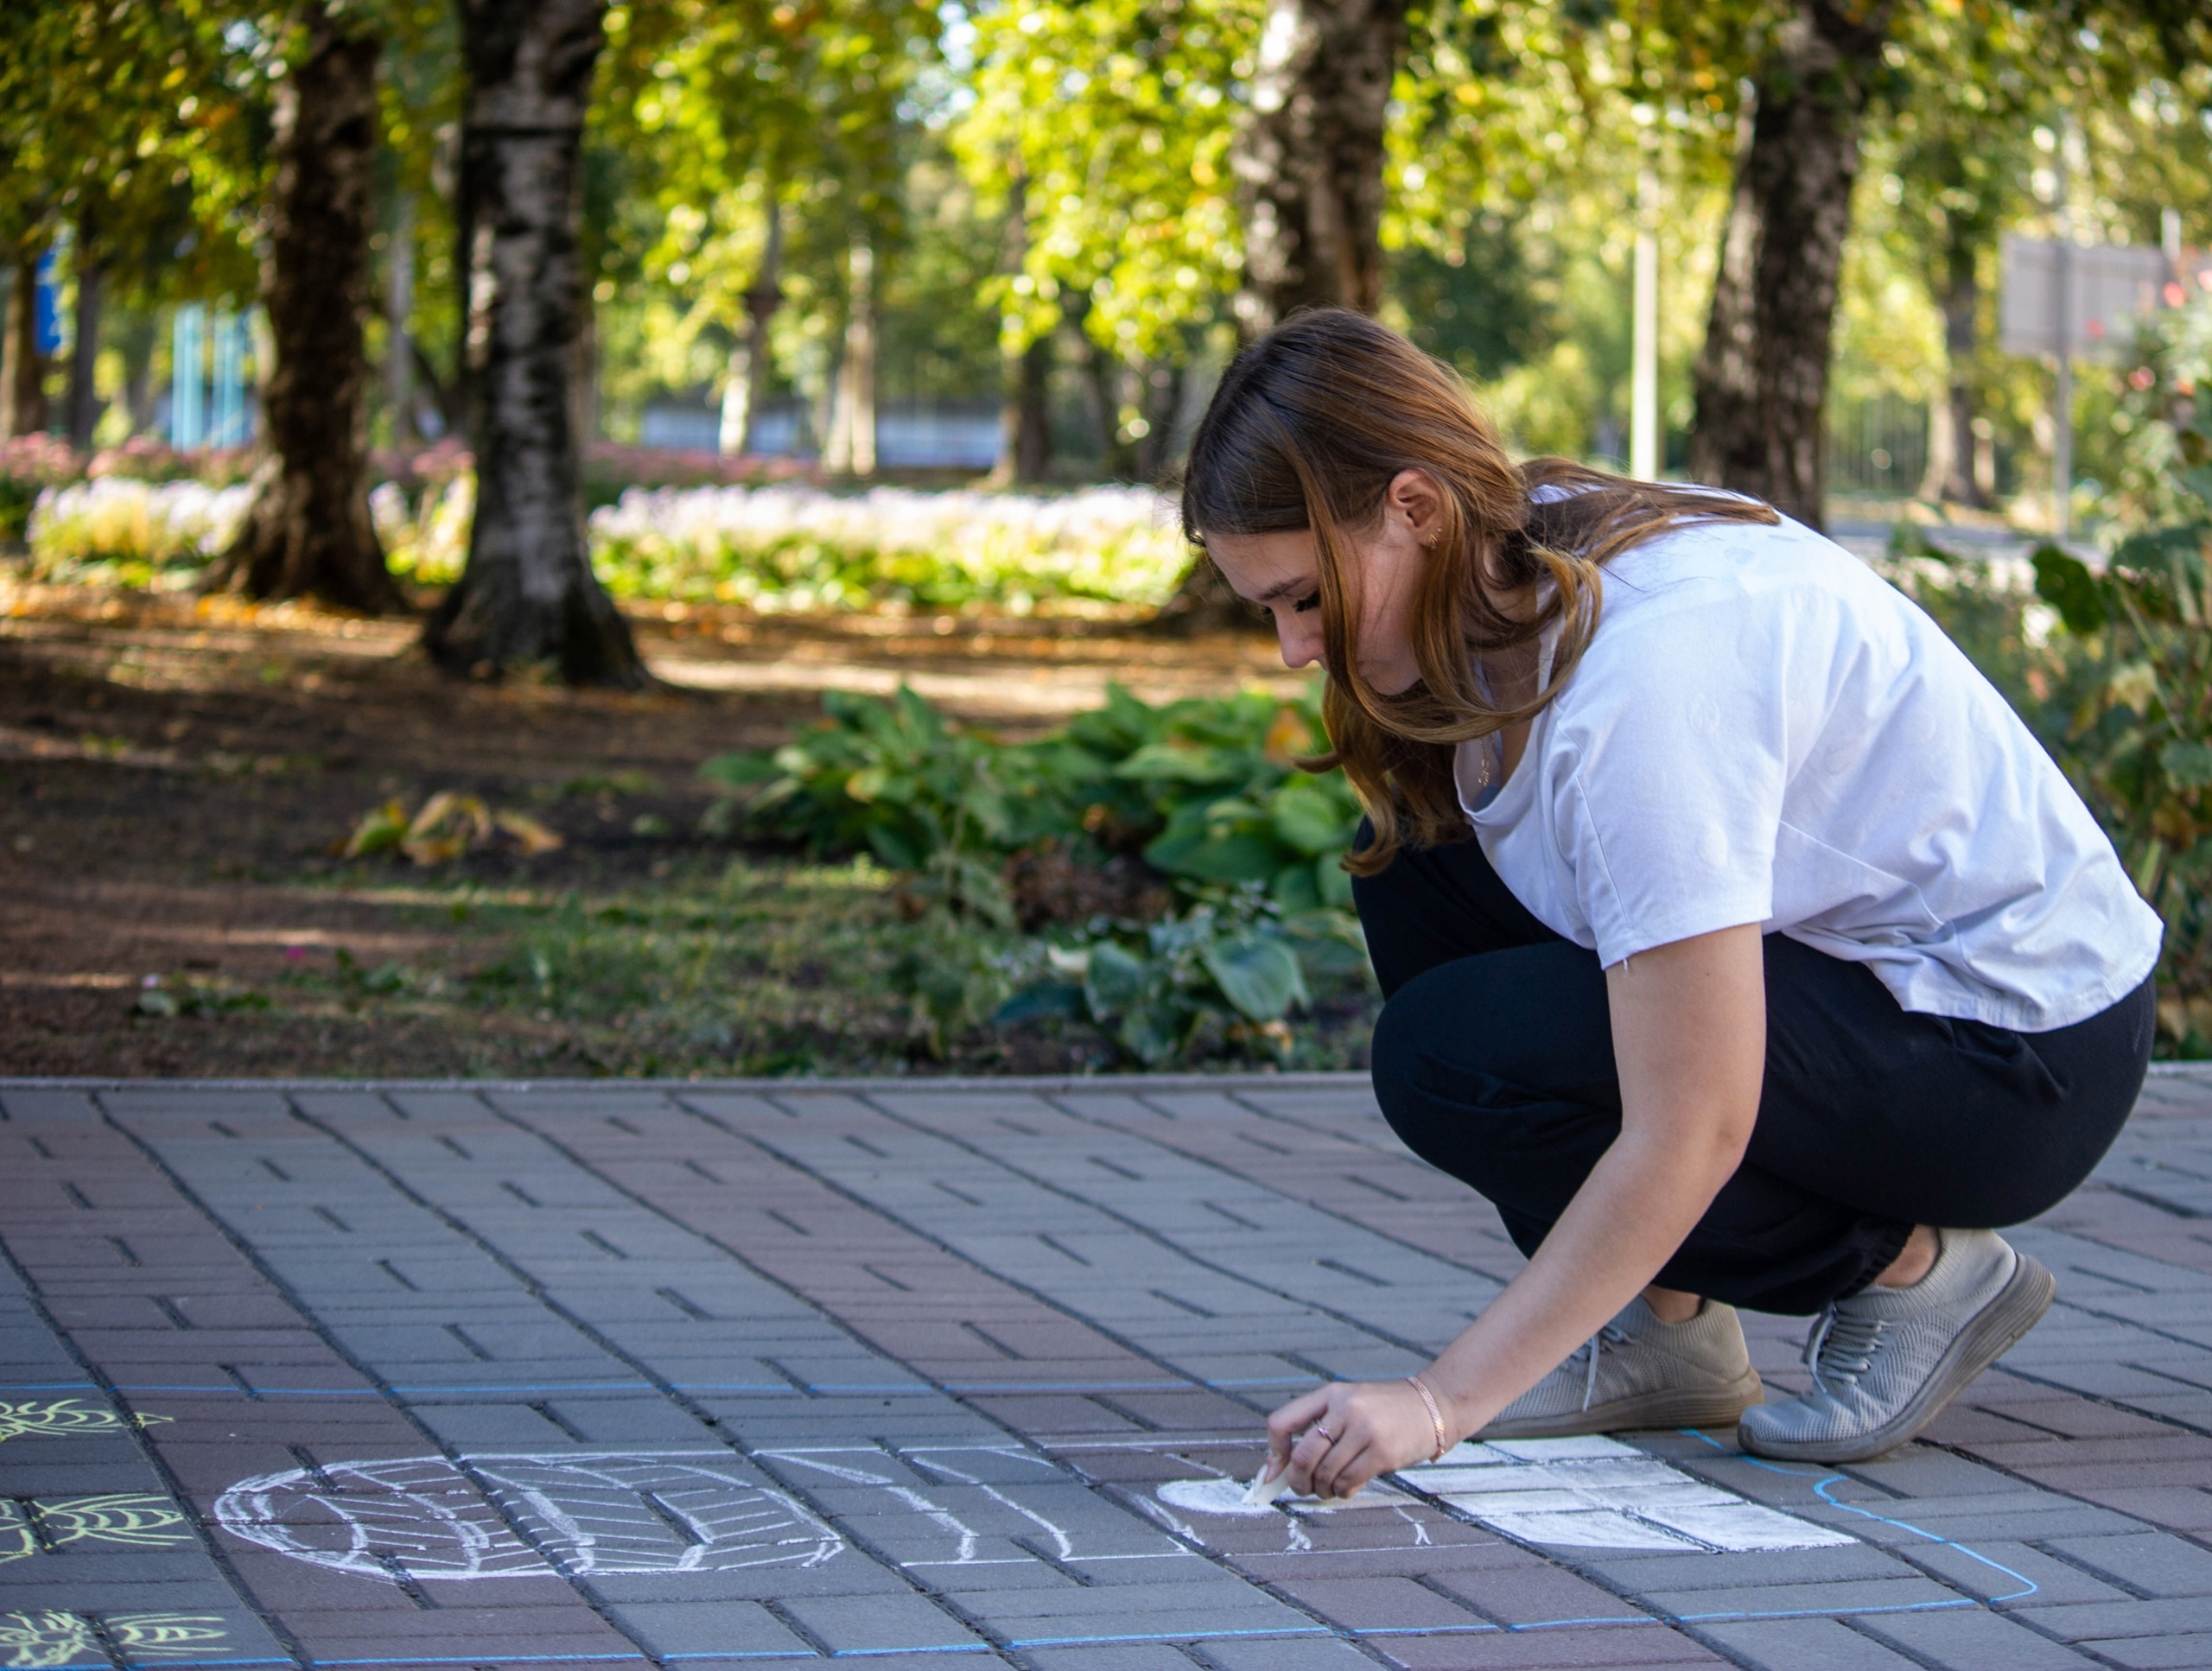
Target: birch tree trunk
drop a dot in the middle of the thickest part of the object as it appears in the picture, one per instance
(308, 533)
(1309, 157)
(851, 450)
(749, 369)
(528, 595)
(1762, 377)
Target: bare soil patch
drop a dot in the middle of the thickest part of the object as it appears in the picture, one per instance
(176, 773)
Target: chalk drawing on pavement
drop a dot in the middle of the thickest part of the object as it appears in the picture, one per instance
(1591, 1493)
(65, 1418)
(582, 1513)
(54, 1637)
(1597, 1493)
(133, 1520)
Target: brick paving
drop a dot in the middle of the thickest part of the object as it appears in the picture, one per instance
(763, 1376)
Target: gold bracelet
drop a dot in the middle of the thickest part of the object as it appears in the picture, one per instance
(1435, 1416)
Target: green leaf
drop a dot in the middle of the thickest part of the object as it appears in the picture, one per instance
(740, 769)
(2064, 581)
(1151, 1032)
(1239, 858)
(2196, 479)
(2188, 765)
(1112, 982)
(1180, 763)
(1336, 882)
(1034, 1003)
(1258, 973)
(1311, 819)
(1293, 888)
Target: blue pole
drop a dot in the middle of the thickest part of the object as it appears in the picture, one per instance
(228, 427)
(187, 393)
(47, 318)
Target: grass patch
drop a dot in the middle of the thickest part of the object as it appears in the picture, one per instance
(760, 967)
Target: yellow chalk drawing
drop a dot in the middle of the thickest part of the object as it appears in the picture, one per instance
(67, 1418)
(53, 1639)
(147, 1522)
(16, 1538)
(138, 1634)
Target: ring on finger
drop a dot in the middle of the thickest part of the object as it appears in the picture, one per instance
(1324, 1433)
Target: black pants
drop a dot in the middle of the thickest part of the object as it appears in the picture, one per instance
(1493, 1060)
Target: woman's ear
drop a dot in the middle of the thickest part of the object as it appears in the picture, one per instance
(1415, 498)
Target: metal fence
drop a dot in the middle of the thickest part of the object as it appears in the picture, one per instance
(1877, 447)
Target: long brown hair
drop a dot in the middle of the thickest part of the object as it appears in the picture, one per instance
(1309, 427)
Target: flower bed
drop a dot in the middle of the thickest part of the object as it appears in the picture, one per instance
(796, 548)
(786, 547)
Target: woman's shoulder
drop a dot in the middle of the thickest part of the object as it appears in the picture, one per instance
(1716, 601)
(1735, 579)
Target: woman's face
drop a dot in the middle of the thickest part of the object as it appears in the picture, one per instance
(1281, 572)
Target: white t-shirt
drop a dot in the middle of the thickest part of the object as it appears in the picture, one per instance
(1763, 730)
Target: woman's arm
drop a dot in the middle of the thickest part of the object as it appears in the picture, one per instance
(1689, 1042)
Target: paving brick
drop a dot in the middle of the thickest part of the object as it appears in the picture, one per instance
(904, 1625)
(692, 1628)
(1548, 1650)
(1805, 1645)
(2183, 1653)
(2124, 1618)
(1124, 1656)
(2153, 1563)
(1049, 1276)
(1962, 1639)
(1283, 1654)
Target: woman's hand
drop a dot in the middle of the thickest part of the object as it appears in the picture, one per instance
(1335, 1438)
(1689, 1041)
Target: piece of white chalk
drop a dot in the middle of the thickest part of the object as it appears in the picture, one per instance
(1257, 1494)
(1262, 1491)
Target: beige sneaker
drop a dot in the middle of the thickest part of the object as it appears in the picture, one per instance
(1639, 1372)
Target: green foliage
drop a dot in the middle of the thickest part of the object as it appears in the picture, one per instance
(1208, 792)
(150, 122)
(1208, 789)
(2139, 738)
(1103, 128)
(1216, 975)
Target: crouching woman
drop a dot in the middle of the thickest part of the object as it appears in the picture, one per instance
(1740, 943)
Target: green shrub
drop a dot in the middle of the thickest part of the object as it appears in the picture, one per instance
(1209, 793)
(1208, 789)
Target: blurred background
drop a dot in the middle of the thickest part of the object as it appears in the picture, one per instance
(449, 455)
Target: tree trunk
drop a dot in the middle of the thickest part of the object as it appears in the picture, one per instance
(585, 388)
(1309, 157)
(23, 367)
(1762, 378)
(1162, 402)
(1101, 380)
(851, 450)
(308, 533)
(84, 353)
(398, 331)
(1961, 309)
(528, 595)
(749, 367)
(139, 375)
(1027, 423)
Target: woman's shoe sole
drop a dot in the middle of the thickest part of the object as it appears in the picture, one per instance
(1989, 1334)
(1705, 1407)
